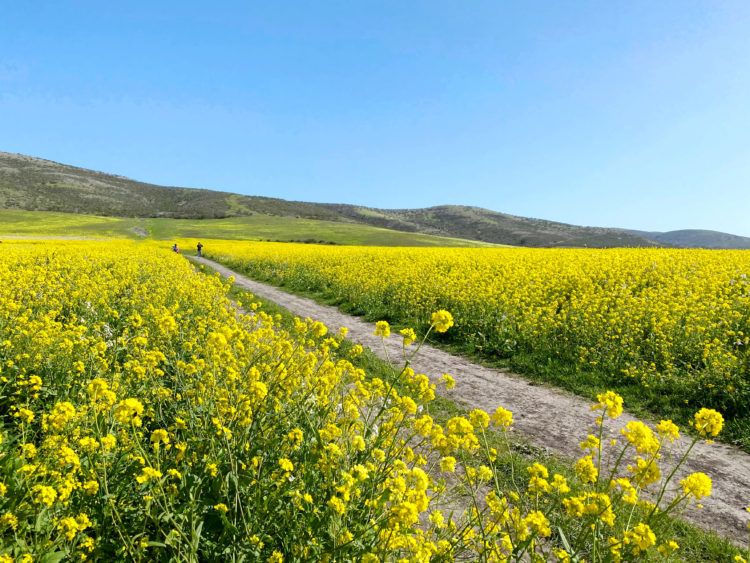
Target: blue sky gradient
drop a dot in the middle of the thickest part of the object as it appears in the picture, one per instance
(629, 114)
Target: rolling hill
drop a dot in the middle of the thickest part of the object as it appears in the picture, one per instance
(697, 238)
(33, 184)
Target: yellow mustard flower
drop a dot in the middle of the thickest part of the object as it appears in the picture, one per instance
(708, 422)
(697, 485)
(382, 329)
(442, 320)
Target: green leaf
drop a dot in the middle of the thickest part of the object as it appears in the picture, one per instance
(564, 540)
(53, 557)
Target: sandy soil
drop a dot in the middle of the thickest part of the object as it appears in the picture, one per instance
(547, 417)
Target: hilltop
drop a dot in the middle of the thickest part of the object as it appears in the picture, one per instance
(34, 184)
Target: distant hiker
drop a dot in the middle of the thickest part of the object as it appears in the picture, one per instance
(175, 248)
(200, 248)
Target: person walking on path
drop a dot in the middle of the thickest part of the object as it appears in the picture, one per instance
(200, 249)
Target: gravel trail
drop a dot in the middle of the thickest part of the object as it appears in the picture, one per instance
(547, 417)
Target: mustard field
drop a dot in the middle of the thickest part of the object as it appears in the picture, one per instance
(670, 328)
(142, 417)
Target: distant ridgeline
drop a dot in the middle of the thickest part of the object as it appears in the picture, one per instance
(33, 184)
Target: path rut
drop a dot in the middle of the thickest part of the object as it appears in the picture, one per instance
(547, 417)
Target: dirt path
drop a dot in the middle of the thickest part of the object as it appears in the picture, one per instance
(547, 417)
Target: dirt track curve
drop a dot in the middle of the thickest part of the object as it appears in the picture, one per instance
(547, 417)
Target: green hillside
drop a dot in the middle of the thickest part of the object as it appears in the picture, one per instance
(19, 224)
(34, 184)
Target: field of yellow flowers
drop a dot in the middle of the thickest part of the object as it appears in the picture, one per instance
(143, 418)
(673, 325)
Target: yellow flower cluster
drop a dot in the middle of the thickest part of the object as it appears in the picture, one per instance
(708, 422)
(698, 485)
(442, 320)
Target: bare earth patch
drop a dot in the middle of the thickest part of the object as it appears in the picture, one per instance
(548, 417)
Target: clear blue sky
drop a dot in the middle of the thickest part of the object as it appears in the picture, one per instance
(632, 114)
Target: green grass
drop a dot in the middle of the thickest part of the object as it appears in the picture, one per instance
(695, 544)
(256, 227)
(39, 224)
